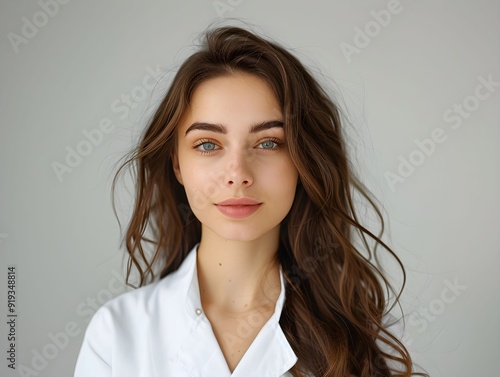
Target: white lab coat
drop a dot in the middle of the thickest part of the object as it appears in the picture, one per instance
(160, 330)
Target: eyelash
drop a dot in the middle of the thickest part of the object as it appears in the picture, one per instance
(278, 143)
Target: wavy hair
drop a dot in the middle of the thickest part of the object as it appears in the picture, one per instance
(335, 301)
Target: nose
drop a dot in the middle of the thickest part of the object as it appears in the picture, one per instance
(238, 170)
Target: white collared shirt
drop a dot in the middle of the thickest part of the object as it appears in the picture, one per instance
(160, 330)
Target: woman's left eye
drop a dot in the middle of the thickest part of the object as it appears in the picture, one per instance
(270, 144)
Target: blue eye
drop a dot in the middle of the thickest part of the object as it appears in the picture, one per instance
(268, 144)
(271, 144)
(208, 146)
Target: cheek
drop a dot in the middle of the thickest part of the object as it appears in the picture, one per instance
(281, 178)
(201, 186)
(288, 170)
(197, 199)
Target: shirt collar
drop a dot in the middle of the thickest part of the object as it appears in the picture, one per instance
(191, 285)
(270, 354)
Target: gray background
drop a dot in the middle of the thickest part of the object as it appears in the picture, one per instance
(74, 71)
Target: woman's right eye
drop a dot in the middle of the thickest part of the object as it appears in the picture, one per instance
(206, 147)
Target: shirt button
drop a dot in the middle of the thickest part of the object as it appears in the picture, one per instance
(198, 311)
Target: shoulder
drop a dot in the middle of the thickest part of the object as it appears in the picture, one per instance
(129, 313)
(118, 328)
(138, 298)
(125, 307)
(139, 303)
(115, 331)
(125, 314)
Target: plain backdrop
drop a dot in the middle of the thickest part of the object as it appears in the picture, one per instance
(419, 82)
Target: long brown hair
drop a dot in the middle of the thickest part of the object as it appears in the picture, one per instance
(335, 301)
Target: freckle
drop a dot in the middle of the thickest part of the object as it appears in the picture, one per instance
(230, 280)
(246, 305)
(220, 264)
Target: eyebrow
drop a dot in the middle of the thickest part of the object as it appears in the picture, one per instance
(221, 129)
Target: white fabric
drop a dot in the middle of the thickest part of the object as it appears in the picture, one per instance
(159, 330)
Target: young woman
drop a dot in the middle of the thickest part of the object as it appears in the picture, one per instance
(244, 193)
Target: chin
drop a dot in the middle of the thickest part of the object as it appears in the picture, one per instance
(240, 232)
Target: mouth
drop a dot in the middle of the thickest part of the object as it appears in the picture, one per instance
(238, 211)
(239, 201)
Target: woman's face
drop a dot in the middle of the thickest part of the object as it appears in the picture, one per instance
(231, 144)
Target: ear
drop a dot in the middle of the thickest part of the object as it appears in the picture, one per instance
(175, 166)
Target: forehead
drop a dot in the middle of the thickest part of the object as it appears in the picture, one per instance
(236, 99)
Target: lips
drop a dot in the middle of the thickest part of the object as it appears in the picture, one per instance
(239, 202)
(238, 207)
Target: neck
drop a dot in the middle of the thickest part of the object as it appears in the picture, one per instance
(236, 277)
